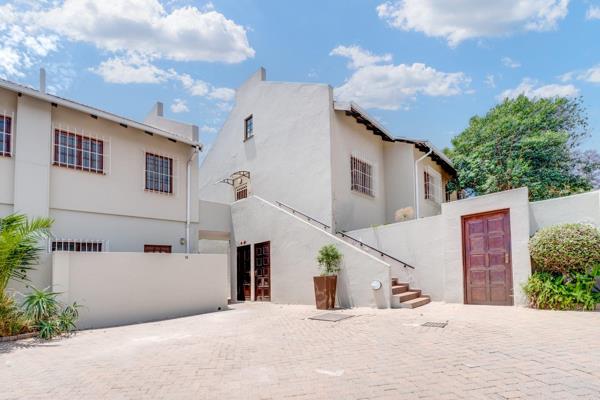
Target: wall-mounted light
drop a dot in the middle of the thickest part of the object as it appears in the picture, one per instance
(375, 285)
(182, 241)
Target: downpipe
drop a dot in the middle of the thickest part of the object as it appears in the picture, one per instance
(189, 200)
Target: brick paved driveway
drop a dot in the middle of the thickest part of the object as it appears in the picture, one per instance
(267, 351)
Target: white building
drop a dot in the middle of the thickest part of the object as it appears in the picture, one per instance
(292, 170)
(109, 183)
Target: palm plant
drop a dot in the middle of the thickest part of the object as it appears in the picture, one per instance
(20, 246)
(329, 259)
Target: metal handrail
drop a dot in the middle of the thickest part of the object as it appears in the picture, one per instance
(308, 217)
(383, 254)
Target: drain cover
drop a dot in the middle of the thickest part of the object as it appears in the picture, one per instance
(435, 324)
(331, 317)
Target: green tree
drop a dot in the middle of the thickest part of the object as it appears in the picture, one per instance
(20, 246)
(525, 142)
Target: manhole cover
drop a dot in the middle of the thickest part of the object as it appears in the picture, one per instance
(435, 324)
(331, 317)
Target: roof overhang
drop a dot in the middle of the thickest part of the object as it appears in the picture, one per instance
(371, 124)
(126, 122)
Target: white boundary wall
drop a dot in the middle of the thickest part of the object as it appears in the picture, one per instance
(125, 288)
(434, 244)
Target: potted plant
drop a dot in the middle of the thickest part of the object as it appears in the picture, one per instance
(329, 259)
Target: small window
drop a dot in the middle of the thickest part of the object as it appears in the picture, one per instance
(361, 176)
(77, 245)
(78, 152)
(157, 248)
(159, 173)
(241, 192)
(432, 183)
(248, 128)
(5, 136)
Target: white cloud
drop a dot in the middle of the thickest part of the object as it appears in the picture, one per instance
(208, 129)
(591, 75)
(460, 20)
(377, 83)
(222, 94)
(532, 89)
(359, 57)
(593, 12)
(179, 106)
(490, 80)
(145, 27)
(510, 63)
(131, 70)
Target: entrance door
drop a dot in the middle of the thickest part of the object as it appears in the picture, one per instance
(262, 266)
(243, 273)
(487, 258)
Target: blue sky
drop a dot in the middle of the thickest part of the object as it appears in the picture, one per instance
(423, 67)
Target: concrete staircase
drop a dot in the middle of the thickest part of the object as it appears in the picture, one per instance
(405, 297)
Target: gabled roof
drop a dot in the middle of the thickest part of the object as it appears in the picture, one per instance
(123, 121)
(362, 117)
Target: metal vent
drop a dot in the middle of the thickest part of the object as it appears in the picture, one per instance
(435, 324)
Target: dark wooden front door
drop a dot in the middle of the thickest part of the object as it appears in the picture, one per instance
(487, 258)
(243, 273)
(262, 266)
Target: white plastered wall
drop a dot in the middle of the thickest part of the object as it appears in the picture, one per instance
(294, 247)
(352, 209)
(584, 208)
(125, 288)
(289, 155)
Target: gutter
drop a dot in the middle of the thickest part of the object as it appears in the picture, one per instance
(417, 181)
(188, 200)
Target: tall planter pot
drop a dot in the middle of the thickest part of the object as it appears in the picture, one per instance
(325, 289)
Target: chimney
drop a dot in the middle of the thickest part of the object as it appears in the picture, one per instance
(159, 109)
(42, 80)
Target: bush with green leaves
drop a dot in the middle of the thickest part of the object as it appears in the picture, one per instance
(13, 321)
(552, 291)
(565, 248)
(49, 316)
(329, 259)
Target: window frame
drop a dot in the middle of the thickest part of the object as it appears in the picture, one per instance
(79, 151)
(158, 188)
(248, 119)
(362, 176)
(77, 245)
(432, 185)
(7, 136)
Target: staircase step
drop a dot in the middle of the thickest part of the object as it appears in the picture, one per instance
(414, 303)
(408, 295)
(399, 288)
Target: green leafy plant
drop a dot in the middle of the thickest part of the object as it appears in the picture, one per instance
(329, 259)
(20, 246)
(13, 321)
(573, 291)
(566, 248)
(50, 316)
(526, 142)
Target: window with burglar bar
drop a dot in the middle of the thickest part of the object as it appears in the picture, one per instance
(159, 173)
(78, 245)
(241, 192)
(5, 135)
(361, 176)
(432, 185)
(80, 152)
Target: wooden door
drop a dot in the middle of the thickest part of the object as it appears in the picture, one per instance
(487, 258)
(262, 267)
(243, 273)
(157, 248)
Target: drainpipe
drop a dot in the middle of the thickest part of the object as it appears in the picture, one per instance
(417, 181)
(189, 200)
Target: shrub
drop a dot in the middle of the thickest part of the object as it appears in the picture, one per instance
(50, 317)
(12, 320)
(566, 248)
(329, 260)
(553, 291)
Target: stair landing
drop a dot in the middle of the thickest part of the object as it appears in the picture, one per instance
(403, 296)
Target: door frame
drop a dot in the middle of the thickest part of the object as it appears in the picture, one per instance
(239, 280)
(463, 218)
